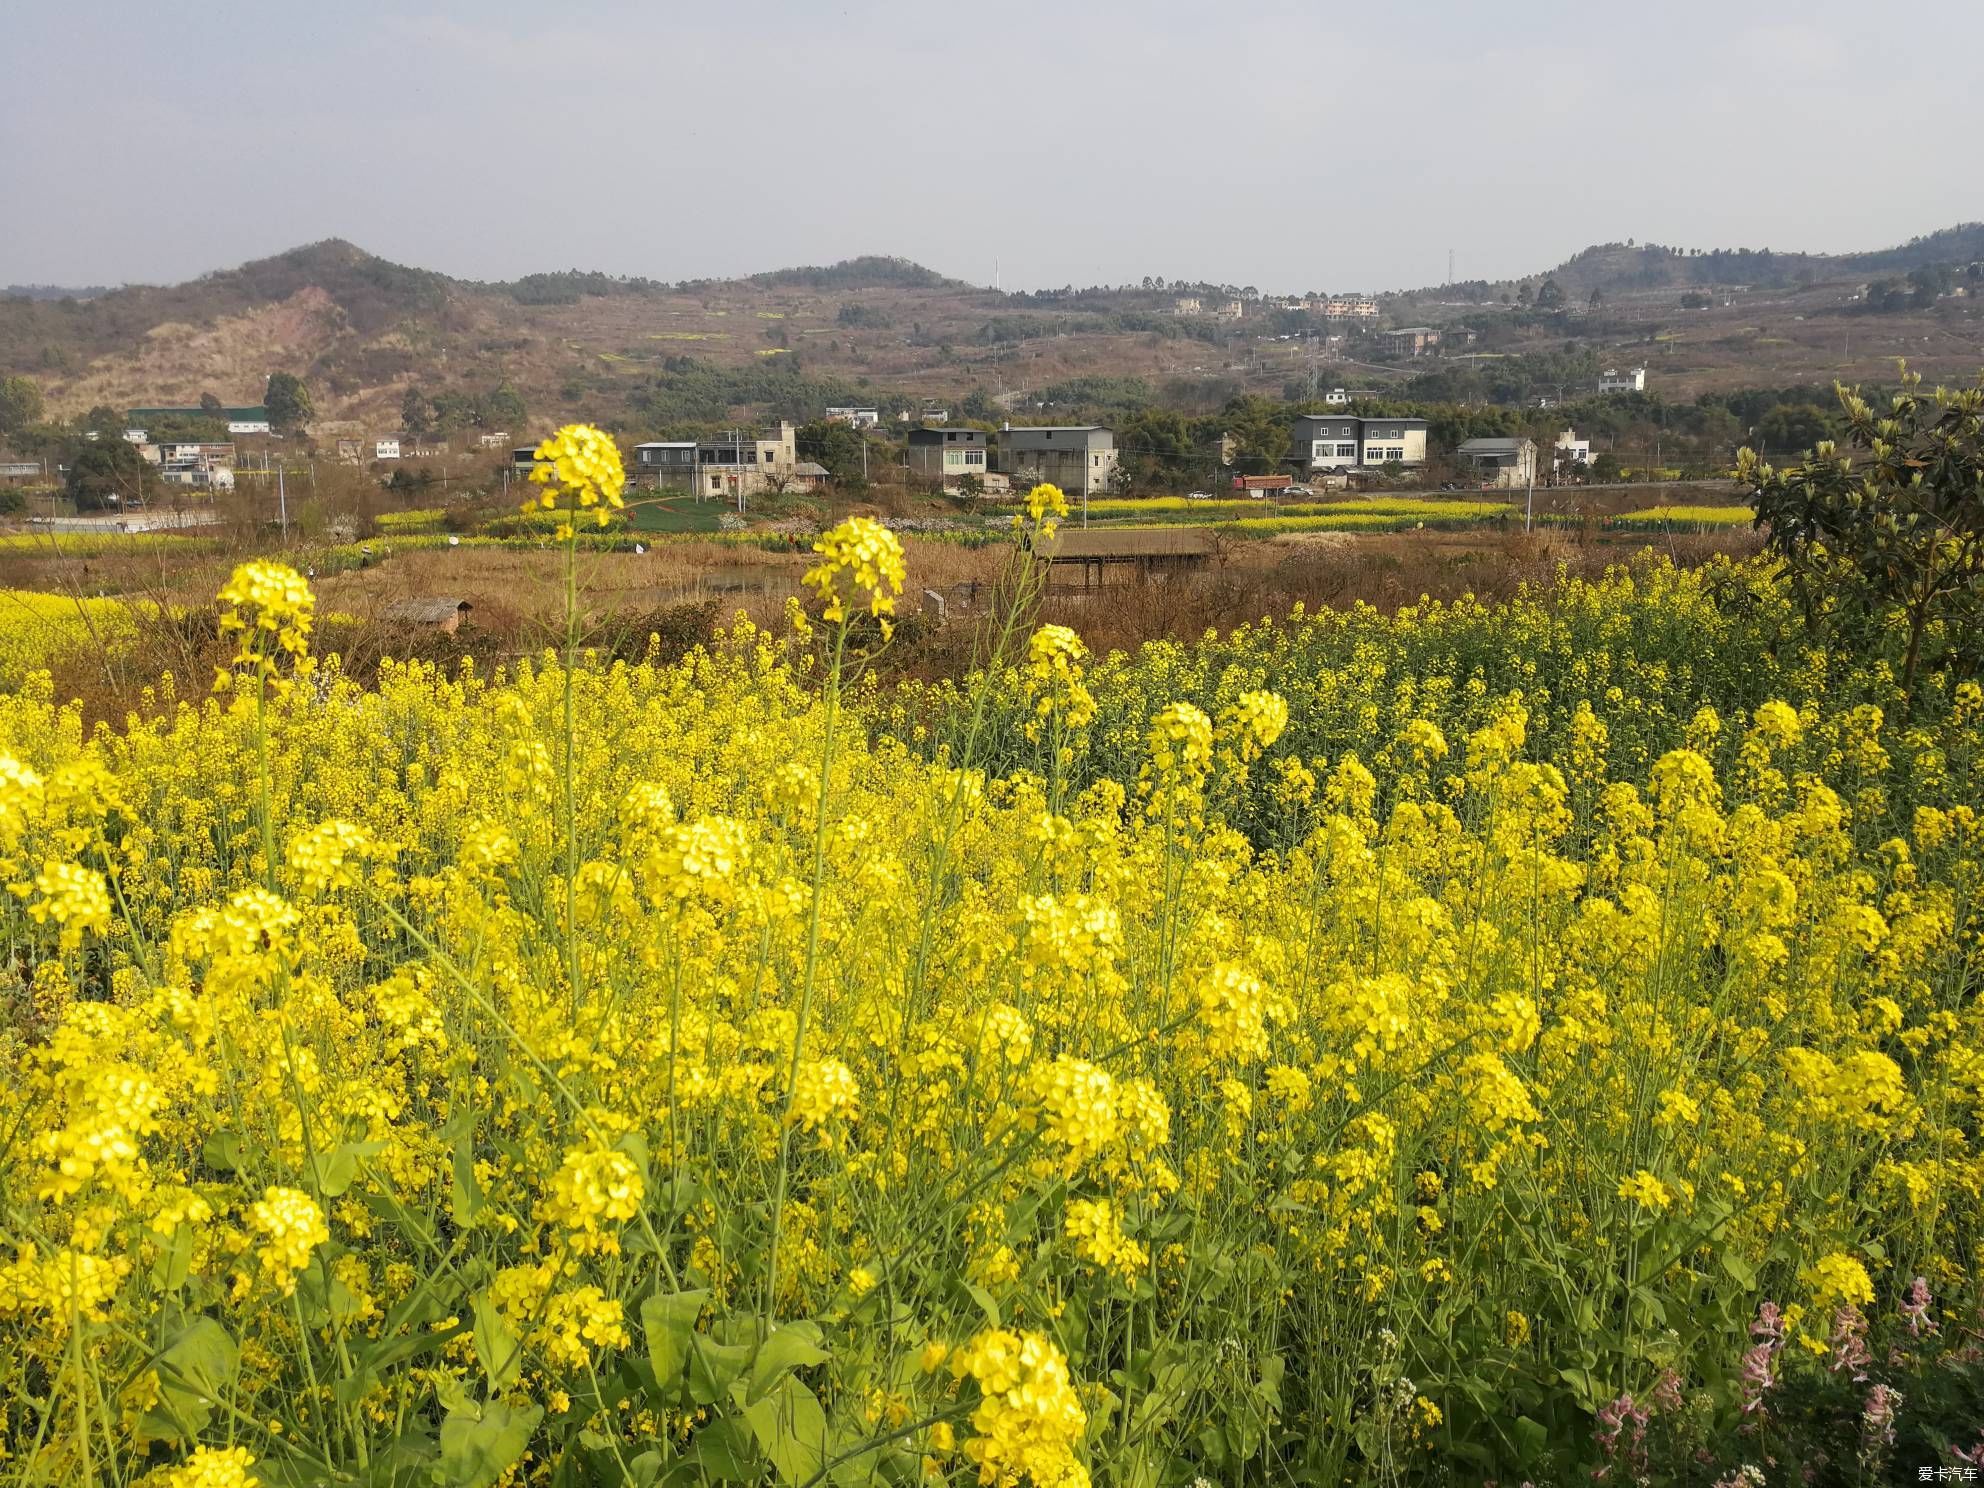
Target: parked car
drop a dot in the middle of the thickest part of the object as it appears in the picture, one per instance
(1199, 496)
(1298, 491)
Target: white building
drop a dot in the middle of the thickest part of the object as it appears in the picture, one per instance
(385, 449)
(1336, 398)
(859, 418)
(1572, 450)
(1611, 380)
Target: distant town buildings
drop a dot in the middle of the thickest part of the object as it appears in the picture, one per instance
(494, 439)
(1187, 305)
(1632, 380)
(1231, 309)
(859, 418)
(947, 456)
(1346, 442)
(1079, 458)
(1350, 307)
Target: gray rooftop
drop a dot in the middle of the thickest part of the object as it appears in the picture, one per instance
(431, 611)
(1488, 446)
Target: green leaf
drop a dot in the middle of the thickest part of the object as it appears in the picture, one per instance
(193, 1371)
(667, 1321)
(791, 1429)
(222, 1151)
(985, 1303)
(175, 1260)
(479, 1445)
(793, 1346)
(335, 1170)
(1740, 1271)
(1531, 1440)
(465, 1202)
(723, 1451)
(713, 1367)
(496, 1345)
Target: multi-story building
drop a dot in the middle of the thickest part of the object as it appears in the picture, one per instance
(1632, 380)
(947, 456)
(190, 451)
(1350, 307)
(742, 465)
(385, 449)
(1079, 458)
(1346, 441)
(667, 462)
(1231, 309)
(1410, 340)
(1187, 305)
(859, 418)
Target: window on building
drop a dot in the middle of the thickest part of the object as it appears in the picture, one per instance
(974, 457)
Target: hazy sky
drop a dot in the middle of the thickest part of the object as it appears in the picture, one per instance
(1301, 145)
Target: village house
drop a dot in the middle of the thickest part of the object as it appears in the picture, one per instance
(1342, 441)
(1079, 458)
(1632, 380)
(494, 439)
(385, 449)
(669, 463)
(250, 420)
(1571, 450)
(351, 451)
(1187, 305)
(742, 465)
(947, 456)
(1410, 340)
(1350, 307)
(858, 418)
(1502, 463)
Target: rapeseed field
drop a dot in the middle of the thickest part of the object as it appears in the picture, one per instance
(1534, 1042)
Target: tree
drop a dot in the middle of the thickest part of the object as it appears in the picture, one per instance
(288, 402)
(500, 408)
(1550, 296)
(1596, 301)
(415, 414)
(20, 404)
(1792, 428)
(835, 445)
(103, 421)
(210, 403)
(107, 473)
(1891, 540)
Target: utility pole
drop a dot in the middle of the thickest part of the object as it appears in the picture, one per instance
(282, 502)
(1529, 506)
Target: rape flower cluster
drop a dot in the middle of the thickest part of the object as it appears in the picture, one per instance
(1305, 1055)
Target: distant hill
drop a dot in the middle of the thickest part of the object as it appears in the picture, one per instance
(649, 357)
(52, 292)
(1614, 268)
